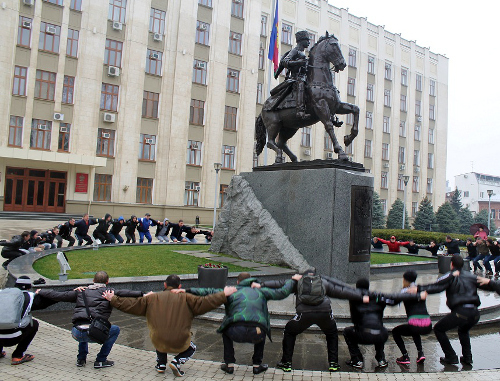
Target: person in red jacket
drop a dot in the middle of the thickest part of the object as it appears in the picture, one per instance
(393, 245)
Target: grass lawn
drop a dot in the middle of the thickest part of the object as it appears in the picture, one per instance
(383, 258)
(123, 261)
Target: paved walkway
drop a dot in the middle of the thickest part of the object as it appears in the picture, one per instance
(55, 353)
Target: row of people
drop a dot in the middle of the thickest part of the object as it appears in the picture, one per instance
(452, 245)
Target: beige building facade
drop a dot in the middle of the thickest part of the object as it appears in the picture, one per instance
(124, 106)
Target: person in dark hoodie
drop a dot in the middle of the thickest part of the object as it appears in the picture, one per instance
(65, 231)
(82, 229)
(131, 224)
(116, 228)
(163, 230)
(14, 248)
(101, 231)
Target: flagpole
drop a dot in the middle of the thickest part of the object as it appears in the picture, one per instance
(269, 73)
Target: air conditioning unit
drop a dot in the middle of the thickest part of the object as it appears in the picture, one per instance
(63, 129)
(108, 117)
(117, 25)
(29, 3)
(236, 36)
(307, 152)
(228, 151)
(416, 169)
(149, 141)
(402, 167)
(419, 118)
(329, 155)
(287, 28)
(43, 127)
(187, 187)
(200, 65)
(237, 1)
(154, 56)
(387, 66)
(106, 135)
(233, 74)
(113, 71)
(157, 37)
(197, 188)
(193, 146)
(27, 24)
(386, 165)
(58, 116)
(202, 27)
(50, 29)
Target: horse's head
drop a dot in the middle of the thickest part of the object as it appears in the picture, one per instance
(329, 48)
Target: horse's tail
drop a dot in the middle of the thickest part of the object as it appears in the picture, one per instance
(260, 135)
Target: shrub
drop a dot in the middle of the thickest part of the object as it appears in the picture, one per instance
(419, 236)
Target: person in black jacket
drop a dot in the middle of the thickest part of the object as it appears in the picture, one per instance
(49, 236)
(368, 323)
(494, 255)
(99, 307)
(65, 233)
(462, 300)
(130, 229)
(432, 247)
(320, 314)
(412, 247)
(116, 228)
(177, 230)
(82, 229)
(14, 248)
(377, 245)
(101, 231)
(452, 245)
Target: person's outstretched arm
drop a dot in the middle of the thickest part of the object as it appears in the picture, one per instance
(278, 293)
(134, 306)
(59, 296)
(439, 286)
(202, 304)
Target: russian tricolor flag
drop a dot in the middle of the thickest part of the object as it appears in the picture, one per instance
(274, 43)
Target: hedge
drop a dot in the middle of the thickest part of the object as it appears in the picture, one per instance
(419, 236)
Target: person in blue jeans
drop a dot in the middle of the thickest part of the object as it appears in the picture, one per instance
(482, 253)
(143, 228)
(494, 255)
(81, 335)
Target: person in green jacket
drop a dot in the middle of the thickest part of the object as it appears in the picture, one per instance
(247, 318)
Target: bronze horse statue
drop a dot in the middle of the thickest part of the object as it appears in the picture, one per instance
(322, 103)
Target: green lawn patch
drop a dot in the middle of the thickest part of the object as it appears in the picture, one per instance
(383, 258)
(124, 261)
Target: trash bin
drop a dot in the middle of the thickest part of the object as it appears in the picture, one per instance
(444, 263)
(212, 277)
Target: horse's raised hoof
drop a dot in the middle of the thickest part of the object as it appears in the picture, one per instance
(348, 139)
(343, 156)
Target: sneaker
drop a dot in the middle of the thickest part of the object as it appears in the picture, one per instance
(381, 364)
(445, 360)
(420, 358)
(27, 357)
(80, 362)
(405, 359)
(160, 368)
(466, 361)
(355, 363)
(489, 273)
(284, 366)
(176, 369)
(226, 368)
(259, 369)
(333, 367)
(103, 364)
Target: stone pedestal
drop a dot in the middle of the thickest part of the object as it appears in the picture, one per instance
(318, 217)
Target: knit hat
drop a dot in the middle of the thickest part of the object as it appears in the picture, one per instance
(23, 282)
(120, 218)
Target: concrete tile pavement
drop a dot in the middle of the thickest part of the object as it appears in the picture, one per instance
(55, 356)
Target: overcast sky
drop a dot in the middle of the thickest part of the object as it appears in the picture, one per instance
(468, 34)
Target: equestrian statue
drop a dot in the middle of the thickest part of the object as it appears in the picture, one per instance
(306, 97)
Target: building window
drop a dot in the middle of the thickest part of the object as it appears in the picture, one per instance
(349, 150)
(404, 108)
(228, 157)
(117, 10)
(200, 72)
(417, 132)
(76, 5)
(369, 120)
(202, 33)
(233, 81)
(416, 158)
(24, 31)
(109, 97)
(157, 21)
(261, 59)
(414, 208)
(429, 185)
(192, 193)
(230, 118)
(72, 45)
(16, 131)
(312, 38)
(49, 37)
(56, 2)
(328, 142)
(369, 92)
(352, 57)
(466, 193)
(404, 76)
(431, 135)
(102, 187)
(113, 53)
(402, 129)
(237, 8)
(351, 86)
(144, 192)
(194, 152)
(105, 142)
(371, 65)
(68, 90)
(430, 160)
(368, 148)
(41, 133)
(432, 87)
(387, 98)
(286, 35)
(255, 158)
(388, 71)
(150, 104)
(45, 85)
(418, 108)
(197, 112)
(492, 213)
(401, 182)
(385, 151)
(386, 125)
(306, 137)
(222, 195)
(349, 119)
(416, 184)
(263, 25)
(235, 43)
(384, 205)
(402, 155)
(206, 3)
(260, 93)
(20, 76)
(147, 147)
(153, 62)
(418, 83)
(432, 115)
(384, 183)
(63, 139)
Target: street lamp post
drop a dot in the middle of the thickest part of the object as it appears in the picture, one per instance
(405, 179)
(490, 193)
(217, 167)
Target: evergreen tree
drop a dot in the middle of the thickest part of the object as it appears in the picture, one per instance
(482, 218)
(395, 216)
(447, 219)
(378, 218)
(425, 219)
(456, 201)
(465, 220)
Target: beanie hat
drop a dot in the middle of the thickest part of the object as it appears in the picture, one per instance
(120, 218)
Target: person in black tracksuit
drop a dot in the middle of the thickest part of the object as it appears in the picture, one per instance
(101, 231)
(432, 247)
(321, 315)
(14, 248)
(116, 228)
(65, 231)
(82, 229)
(463, 301)
(131, 226)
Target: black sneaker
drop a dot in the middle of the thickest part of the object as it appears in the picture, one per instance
(405, 359)
(466, 360)
(420, 358)
(103, 364)
(333, 367)
(259, 369)
(381, 364)
(445, 360)
(160, 368)
(176, 369)
(284, 366)
(355, 363)
(227, 369)
(80, 362)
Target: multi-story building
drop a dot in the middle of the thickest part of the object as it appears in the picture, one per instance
(125, 105)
